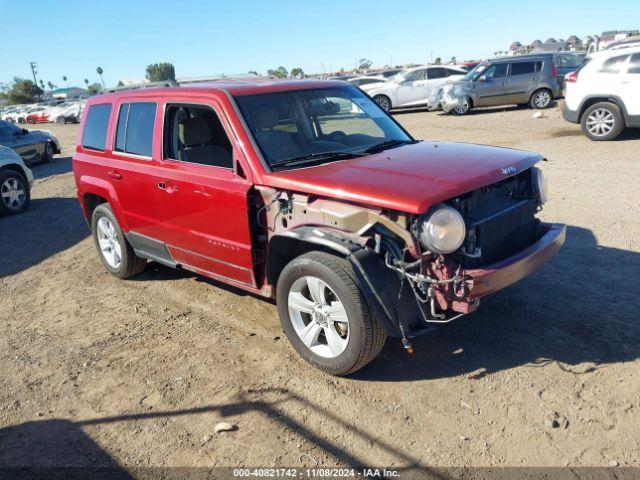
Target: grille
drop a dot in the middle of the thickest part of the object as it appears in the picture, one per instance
(500, 220)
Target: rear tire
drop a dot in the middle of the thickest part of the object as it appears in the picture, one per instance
(314, 316)
(542, 98)
(114, 250)
(14, 193)
(602, 121)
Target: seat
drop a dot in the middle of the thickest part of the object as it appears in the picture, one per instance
(276, 144)
(198, 144)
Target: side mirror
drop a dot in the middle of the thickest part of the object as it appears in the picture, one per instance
(24, 131)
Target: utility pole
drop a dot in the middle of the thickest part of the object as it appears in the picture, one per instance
(33, 66)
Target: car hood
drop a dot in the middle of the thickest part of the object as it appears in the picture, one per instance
(410, 178)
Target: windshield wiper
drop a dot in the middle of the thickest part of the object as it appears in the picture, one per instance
(315, 157)
(378, 147)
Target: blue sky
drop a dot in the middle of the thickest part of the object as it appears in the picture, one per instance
(201, 38)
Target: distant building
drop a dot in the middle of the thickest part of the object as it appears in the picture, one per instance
(608, 37)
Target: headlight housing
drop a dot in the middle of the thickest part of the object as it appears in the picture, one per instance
(540, 185)
(442, 230)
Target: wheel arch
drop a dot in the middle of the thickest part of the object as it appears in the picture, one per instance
(94, 192)
(592, 100)
(15, 167)
(372, 275)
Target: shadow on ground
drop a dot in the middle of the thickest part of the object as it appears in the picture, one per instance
(576, 311)
(58, 166)
(48, 227)
(56, 446)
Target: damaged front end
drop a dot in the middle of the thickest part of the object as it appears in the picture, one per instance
(418, 270)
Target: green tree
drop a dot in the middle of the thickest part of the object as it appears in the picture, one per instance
(94, 88)
(23, 91)
(297, 72)
(50, 85)
(64, 79)
(253, 72)
(364, 64)
(99, 71)
(453, 60)
(86, 82)
(161, 72)
(438, 61)
(120, 83)
(280, 72)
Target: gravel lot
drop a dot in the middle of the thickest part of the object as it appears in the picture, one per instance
(96, 370)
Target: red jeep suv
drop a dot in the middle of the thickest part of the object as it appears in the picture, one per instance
(309, 193)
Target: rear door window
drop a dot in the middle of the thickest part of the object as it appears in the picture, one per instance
(523, 68)
(94, 135)
(134, 133)
(634, 64)
(614, 64)
(436, 72)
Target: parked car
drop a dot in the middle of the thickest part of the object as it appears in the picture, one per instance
(38, 115)
(16, 180)
(367, 80)
(412, 87)
(30, 113)
(603, 95)
(279, 188)
(524, 80)
(13, 114)
(33, 146)
(391, 72)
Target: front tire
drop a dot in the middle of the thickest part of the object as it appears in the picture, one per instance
(383, 101)
(115, 252)
(602, 121)
(14, 193)
(325, 315)
(464, 108)
(47, 156)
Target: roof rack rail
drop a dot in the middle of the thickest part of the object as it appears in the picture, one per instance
(141, 86)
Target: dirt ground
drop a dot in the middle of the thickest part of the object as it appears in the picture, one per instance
(99, 371)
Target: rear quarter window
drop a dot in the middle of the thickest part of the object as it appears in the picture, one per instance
(614, 64)
(94, 135)
(134, 133)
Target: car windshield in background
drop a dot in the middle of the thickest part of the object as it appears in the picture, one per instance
(298, 128)
(475, 72)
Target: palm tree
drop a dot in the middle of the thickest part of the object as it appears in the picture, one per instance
(86, 82)
(99, 72)
(50, 85)
(64, 79)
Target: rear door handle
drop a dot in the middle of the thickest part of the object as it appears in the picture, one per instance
(114, 174)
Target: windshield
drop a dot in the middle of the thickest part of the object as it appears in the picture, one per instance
(322, 124)
(475, 71)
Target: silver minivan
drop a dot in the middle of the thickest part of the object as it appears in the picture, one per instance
(523, 80)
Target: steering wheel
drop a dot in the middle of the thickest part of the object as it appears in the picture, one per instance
(338, 136)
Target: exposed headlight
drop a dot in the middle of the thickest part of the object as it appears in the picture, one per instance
(442, 231)
(540, 185)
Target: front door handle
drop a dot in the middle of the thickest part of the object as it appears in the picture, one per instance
(167, 188)
(114, 174)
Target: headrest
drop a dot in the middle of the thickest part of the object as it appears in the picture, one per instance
(194, 131)
(266, 118)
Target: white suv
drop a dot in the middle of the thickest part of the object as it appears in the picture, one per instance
(603, 94)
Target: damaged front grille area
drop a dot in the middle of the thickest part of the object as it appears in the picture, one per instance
(500, 221)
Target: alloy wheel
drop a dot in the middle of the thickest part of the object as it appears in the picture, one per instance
(108, 242)
(542, 99)
(600, 122)
(13, 193)
(463, 107)
(384, 103)
(318, 317)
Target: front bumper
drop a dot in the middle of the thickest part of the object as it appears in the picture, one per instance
(570, 115)
(490, 279)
